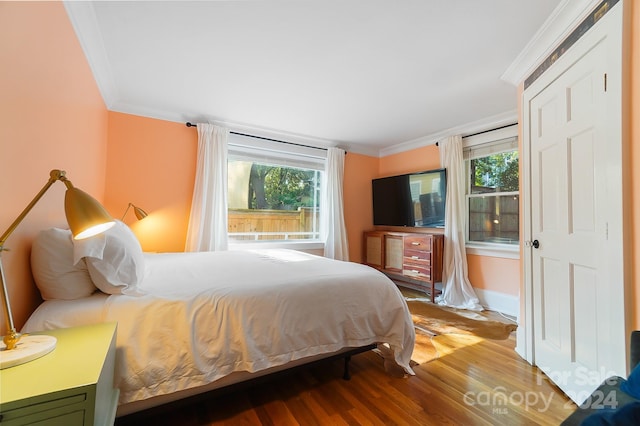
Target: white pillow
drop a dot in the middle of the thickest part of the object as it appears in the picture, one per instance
(54, 271)
(114, 260)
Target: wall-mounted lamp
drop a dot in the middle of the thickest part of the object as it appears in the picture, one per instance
(86, 217)
(140, 214)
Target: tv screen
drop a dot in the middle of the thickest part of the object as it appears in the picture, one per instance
(414, 199)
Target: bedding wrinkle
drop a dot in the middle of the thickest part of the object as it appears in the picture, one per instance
(206, 315)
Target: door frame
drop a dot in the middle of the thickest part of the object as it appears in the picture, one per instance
(614, 25)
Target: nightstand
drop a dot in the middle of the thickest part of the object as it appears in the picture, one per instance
(72, 385)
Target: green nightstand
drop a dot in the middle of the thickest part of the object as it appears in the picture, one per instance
(72, 385)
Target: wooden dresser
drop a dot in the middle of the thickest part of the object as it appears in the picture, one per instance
(412, 257)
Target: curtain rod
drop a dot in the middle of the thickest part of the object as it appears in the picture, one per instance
(266, 139)
(487, 131)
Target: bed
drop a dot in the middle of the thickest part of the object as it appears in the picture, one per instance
(194, 322)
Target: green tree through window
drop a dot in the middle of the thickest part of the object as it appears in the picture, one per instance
(280, 188)
(495, 173)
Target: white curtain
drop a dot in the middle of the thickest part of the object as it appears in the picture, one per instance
(333, 229)
(208, 220)
(457, 291)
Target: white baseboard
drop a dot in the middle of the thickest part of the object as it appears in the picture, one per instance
(491, 300)
(499, 302)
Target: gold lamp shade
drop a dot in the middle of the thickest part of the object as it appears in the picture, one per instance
(140, 214)
(85, 216)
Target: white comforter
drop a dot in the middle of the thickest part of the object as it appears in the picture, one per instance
(206, 315)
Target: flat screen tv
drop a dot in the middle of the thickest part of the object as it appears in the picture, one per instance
(413, 199)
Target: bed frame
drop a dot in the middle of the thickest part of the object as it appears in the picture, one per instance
(240, 380)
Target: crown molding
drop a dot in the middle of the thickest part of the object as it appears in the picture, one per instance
(244, 128)
(488, 123)
(564, 19)
(85, 24)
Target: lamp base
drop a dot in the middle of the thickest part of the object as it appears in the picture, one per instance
(29, 347)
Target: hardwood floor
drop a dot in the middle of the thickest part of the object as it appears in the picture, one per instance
(482, 384)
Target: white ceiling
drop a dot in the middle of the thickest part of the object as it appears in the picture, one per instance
(367, 75)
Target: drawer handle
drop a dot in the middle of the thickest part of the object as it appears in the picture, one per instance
(415, 257)
(415, 243)
(414, 271)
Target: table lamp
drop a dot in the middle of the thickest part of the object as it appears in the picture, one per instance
(86, 217)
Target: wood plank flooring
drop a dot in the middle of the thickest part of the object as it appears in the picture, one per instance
(482, 384)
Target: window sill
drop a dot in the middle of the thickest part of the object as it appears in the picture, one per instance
(293, 245)
(494, 250)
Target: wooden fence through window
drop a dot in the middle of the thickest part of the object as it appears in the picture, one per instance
(247, 224)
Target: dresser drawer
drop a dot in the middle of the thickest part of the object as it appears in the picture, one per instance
(28, 412)
(417, 242)
(418, 256)
(418, 271)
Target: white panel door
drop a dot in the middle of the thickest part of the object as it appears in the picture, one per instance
(574, 300)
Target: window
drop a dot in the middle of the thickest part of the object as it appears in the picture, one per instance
(273, 191)
(492, 192)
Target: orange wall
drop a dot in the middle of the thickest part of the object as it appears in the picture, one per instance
(358, 202)
(416, 160)
(51, 117)
(152, 164)
(494, 273)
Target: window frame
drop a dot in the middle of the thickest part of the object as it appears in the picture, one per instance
(281, 153)
(497, 137)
